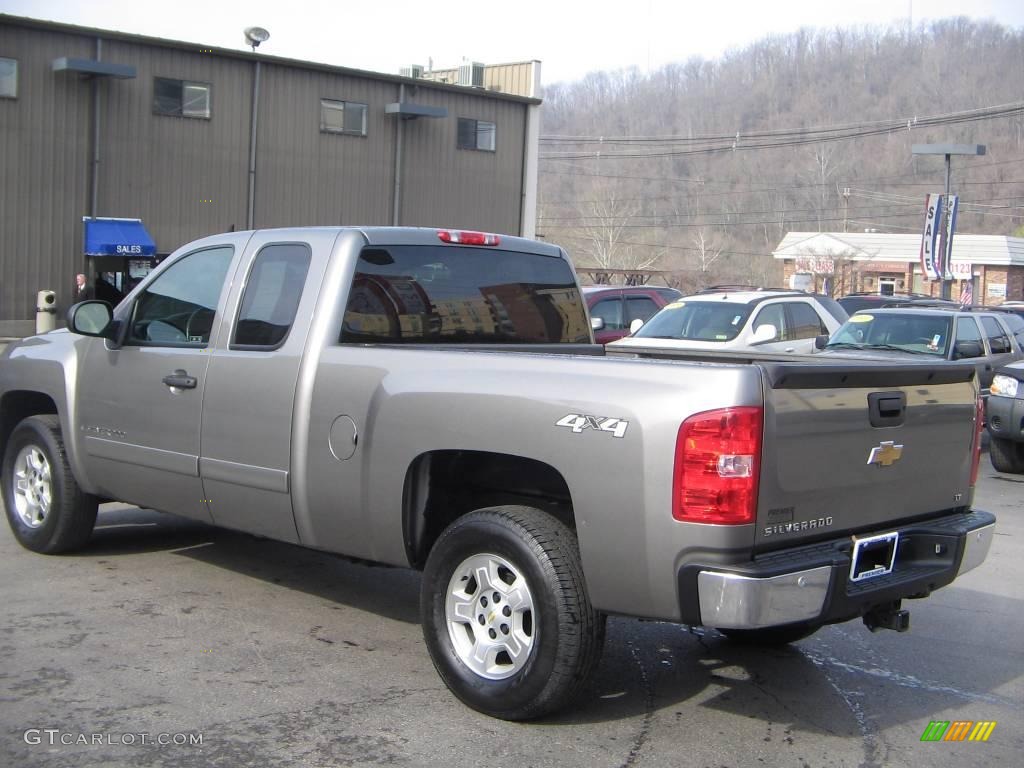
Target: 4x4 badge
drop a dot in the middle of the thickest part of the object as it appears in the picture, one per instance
(578, 422)
(885, 454)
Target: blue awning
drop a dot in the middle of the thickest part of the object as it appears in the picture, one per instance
(117, 237)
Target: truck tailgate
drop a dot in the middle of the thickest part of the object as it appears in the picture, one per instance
(852, 448)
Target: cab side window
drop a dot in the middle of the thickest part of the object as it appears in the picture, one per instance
(271, 297)
(998, 341)
(179, 307)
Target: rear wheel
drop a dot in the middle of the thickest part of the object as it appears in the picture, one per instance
(46, 509)
(506, 616)
(770, 636)
(1006, 455)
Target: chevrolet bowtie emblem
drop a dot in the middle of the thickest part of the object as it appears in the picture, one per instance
(886, 453)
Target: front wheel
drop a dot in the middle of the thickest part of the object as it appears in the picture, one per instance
(46, 509)
(1006, 455)
(506, 616)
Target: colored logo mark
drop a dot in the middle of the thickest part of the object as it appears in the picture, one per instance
(958, 730)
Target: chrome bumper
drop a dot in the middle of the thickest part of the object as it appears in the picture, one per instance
(730, 601)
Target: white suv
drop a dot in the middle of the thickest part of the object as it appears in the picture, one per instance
(768, 320)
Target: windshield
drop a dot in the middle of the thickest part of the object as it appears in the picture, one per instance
(928, 334)
(697, 321)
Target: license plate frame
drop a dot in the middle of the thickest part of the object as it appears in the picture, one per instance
(873, 556)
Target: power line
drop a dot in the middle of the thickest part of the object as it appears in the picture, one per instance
(796, 138)
(887, 124)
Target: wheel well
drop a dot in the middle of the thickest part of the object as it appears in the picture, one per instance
(441, 486)
(18, 405)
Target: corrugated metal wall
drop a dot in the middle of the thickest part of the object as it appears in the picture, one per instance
(188, 177)
(184, 177)
(446, 186)
(305, 176)
(44, 156)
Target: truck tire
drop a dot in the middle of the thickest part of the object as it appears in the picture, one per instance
(506, 615)
(46, 509)
(1006, 455)
(771, 636)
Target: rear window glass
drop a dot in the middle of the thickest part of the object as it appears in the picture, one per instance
(697, 321)
(461, 295)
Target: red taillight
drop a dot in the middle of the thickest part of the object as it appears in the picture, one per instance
(979, 425)
(467, 238)
(718, 458)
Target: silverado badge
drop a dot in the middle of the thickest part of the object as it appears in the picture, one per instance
(885, 454)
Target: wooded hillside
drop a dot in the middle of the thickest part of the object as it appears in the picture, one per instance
(701, 167)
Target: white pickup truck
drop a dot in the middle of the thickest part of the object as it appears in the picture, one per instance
(433, 399)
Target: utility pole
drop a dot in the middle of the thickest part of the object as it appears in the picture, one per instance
(846, 207)
(948, 150)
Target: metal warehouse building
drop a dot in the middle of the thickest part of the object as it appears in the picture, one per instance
(101, 126)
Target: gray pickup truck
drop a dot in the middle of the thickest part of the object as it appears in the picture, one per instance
(433, 399)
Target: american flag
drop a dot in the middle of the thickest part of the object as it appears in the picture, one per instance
(966, 293)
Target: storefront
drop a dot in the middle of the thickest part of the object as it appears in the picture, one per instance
(119, 253)
(840, 263)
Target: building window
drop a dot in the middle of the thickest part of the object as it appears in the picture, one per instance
(8, 78)
(181, 98)
(347, 117)
(476, 134)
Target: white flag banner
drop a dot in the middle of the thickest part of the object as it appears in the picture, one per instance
(947, 237)
(929, 239)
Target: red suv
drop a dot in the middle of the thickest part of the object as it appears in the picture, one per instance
(614, 307)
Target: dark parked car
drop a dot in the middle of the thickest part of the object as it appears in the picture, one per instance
(1005, 416)
(614, 307)
(855, 302)
(988, 339)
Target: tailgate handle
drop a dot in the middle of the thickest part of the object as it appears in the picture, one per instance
(887, 409)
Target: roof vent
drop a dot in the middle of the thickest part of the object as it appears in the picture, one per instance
(471, 75)
(413, 70)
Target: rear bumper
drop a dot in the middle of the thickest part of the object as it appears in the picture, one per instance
(811, 584)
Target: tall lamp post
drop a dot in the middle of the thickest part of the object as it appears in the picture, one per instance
(948, 150)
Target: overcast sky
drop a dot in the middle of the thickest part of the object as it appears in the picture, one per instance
(570, 38)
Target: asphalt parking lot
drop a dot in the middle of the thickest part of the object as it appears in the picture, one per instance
(165, 632)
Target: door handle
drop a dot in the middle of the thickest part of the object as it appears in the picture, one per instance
(180, 380)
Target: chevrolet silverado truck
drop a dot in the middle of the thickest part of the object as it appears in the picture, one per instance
(433, 399)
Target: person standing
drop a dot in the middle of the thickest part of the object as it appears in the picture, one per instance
(83, 291)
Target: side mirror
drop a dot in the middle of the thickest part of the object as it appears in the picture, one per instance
(91, 318)
(820, 341)
(597, 323)
(636, 325)
(965, 349)
(763, 333)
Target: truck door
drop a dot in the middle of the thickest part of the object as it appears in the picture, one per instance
(140, 405)
(247, 413)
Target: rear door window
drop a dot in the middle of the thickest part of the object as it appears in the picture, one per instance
(442, 294)
(806, 322)
(998, 341)
(271, 296)
(1016, 325)
(639, 308)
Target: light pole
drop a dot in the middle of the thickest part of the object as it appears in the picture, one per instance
(948, 150)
